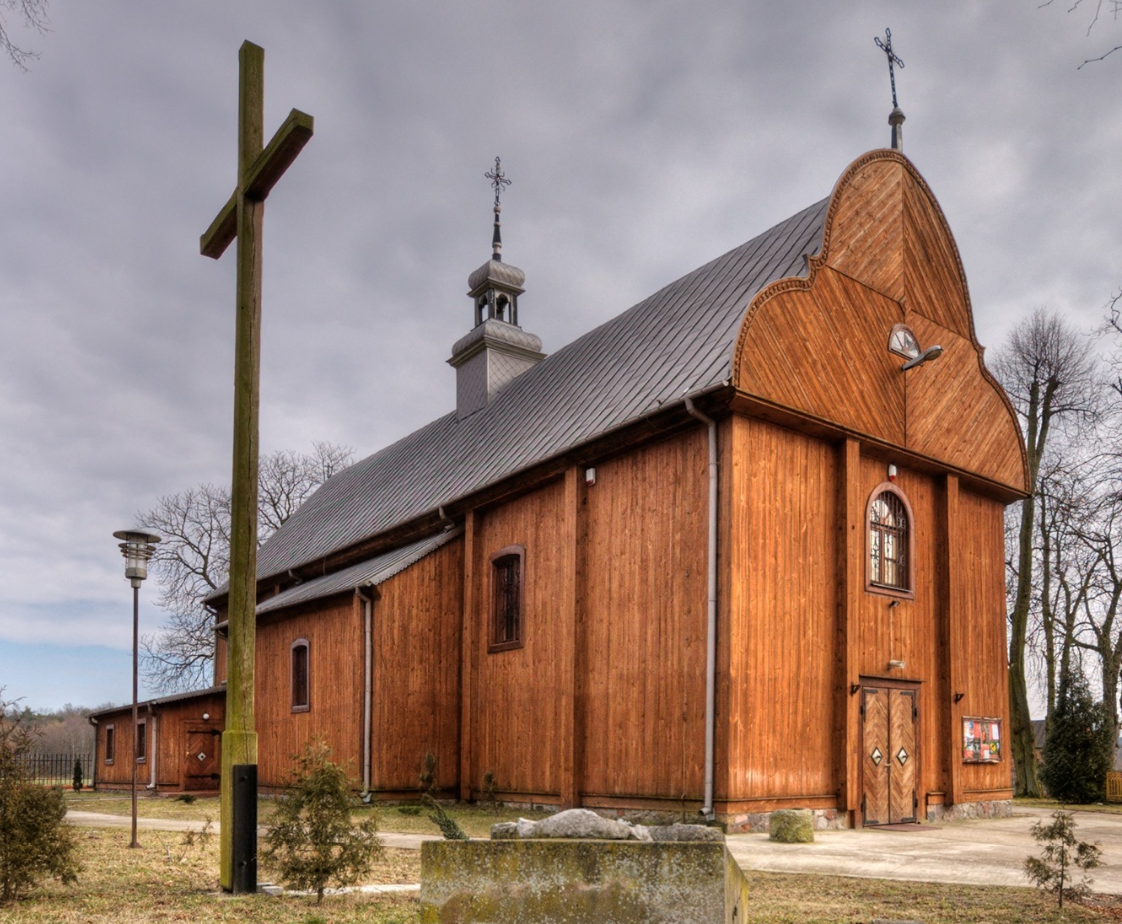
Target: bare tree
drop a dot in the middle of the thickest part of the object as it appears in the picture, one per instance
(1098, 8)
(1048, 371)
(34, 16)
(193, 560)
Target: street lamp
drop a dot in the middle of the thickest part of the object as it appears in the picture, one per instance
(137, 547)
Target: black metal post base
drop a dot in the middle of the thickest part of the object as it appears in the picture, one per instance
(244, 841)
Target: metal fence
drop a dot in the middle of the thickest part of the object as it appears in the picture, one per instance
(58, 769)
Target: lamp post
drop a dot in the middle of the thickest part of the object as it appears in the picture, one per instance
(137, 547)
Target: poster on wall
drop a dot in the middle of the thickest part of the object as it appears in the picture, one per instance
(981, 740)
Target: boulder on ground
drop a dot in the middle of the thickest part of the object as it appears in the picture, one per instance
(791, 826)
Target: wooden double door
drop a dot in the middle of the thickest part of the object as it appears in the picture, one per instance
(890, 753)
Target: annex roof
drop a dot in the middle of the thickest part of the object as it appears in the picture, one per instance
(371, 572)
(161, 701)
(679, 340)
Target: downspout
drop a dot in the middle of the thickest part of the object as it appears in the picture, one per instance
(97, 746)
(153, 744)
(367, 595)
(711, 632)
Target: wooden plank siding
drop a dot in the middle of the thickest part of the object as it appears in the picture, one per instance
(518, 694)
(416, 700)
(978, 611)
(645, 623)
(818, 345)
(334, 632)
(783, 618)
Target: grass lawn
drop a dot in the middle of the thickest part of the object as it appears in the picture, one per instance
(475, 820)
(168, 880)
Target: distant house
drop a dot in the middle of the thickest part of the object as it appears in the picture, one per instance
(178, 737)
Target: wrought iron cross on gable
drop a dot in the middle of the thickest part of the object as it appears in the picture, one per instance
(893, 59)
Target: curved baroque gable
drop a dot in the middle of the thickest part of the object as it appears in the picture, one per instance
(819, 345)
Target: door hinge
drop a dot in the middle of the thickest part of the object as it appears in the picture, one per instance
(915, 713)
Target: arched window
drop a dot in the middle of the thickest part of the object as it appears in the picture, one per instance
(506, 598)
(890, 541)
(301, 667)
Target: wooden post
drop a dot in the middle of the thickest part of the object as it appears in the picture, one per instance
(570, 701)
(954, 642)
(468, 630)
(851, 558)
(258, 169)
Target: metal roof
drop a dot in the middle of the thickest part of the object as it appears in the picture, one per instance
(163, 700)
(680, 339)
(373, 571)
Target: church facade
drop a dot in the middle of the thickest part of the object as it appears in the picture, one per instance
(738, 549)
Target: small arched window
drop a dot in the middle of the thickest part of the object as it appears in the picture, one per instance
(890, 541)
(301, 667)
(506, 598)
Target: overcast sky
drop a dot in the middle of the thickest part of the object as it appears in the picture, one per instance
(643, 138)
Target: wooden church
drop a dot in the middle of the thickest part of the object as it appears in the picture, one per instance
(740, 548)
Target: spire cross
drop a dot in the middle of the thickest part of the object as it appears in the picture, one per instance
(893, 59)
(498, 181)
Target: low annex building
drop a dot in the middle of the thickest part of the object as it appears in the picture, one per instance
(740, 548)
(176, 748)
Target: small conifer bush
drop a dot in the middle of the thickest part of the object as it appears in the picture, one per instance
(34, 842)
(1078, 751)
(312, 841)
(1055, 869)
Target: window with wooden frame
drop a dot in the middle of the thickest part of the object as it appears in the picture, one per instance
(141, 741)
(507, 572)
(301, 667)
(890, 542)
(110, 743)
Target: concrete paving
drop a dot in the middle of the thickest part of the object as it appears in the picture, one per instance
(982, 852)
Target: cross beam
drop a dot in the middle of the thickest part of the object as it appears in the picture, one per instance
(242, 217)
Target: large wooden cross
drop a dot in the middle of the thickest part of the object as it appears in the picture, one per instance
(259, 168)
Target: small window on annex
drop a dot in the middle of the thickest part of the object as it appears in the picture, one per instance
(301, 701)
(110, 743)
(890, 542)
(506, 598)
(141, 741)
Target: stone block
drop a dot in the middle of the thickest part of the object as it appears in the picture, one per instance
(791, 826)
(580, 882)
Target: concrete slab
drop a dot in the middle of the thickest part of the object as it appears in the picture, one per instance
(982, 852)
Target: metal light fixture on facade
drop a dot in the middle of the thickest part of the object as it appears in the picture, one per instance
(137, 546)
(932, 352)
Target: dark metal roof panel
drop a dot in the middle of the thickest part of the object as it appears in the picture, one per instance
(679, 339)
(373, 571)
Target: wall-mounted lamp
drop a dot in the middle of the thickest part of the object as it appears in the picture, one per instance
(958, 697)
(932, 352)
(590, 476)
(206, 716)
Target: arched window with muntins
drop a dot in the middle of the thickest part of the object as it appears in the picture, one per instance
(890, 542)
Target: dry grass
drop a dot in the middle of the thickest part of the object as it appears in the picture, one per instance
(476, 820)
(781, 898)
(168, 881)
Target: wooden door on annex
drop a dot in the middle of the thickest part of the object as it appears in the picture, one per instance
(202, 759)
(889, 716)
